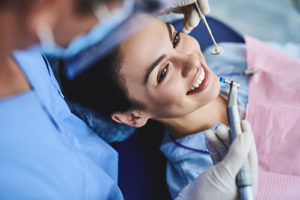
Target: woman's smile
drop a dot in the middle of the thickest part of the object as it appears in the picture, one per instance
(200, 81)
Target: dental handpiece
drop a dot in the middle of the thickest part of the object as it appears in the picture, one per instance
(244, 178)
(217, 49)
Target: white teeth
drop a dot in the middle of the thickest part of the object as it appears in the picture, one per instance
(199, 81)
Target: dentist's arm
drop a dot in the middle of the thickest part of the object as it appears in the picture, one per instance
(191, 17)
(218, 181)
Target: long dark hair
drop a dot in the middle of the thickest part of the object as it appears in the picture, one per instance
(100, 87)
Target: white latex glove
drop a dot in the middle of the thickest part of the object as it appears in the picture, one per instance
(218, 181)
(191, 16)
(218, 143)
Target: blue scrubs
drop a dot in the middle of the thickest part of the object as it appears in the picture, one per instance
(46, 152)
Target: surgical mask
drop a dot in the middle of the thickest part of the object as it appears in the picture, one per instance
(49, 46)
(86, 49)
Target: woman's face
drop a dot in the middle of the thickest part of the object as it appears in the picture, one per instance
(166, 71)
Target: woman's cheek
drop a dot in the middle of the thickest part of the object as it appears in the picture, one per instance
(175, 92)
(171, 93)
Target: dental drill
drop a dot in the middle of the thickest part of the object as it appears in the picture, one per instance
(243, 179)
(216, 49)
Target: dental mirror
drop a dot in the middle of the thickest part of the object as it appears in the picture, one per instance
(217, 49)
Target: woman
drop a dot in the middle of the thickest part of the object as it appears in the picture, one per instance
(158, 74)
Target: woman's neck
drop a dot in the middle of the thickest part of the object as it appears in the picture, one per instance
(12, 79)
(199, 120)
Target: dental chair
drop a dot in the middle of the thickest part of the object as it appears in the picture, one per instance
(141, 164)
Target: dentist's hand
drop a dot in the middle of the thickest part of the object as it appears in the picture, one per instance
(218, 181)
(218, 143)
(191, 16)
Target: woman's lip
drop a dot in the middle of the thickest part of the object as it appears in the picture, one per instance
(204, 83)
(198, 73)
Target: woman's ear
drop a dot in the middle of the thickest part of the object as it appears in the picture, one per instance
(132, 118)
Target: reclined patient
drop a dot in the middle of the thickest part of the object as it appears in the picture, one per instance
(162, 75)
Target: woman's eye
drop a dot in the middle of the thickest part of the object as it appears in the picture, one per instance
(162, 74)
(176, 39)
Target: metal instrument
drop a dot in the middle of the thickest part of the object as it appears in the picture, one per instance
(244, 178)
(217, 49)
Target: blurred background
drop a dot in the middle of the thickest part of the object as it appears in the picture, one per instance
(267, 20)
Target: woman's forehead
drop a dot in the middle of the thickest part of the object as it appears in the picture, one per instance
(150, 29)
(145, 46)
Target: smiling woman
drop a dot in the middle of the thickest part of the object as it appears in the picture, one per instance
(160, 68)
(160, 74)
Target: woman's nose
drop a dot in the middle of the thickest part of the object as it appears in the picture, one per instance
(189, 63)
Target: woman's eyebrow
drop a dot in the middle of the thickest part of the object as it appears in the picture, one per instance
(158, 60)
(152, 66)
(169, 30)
